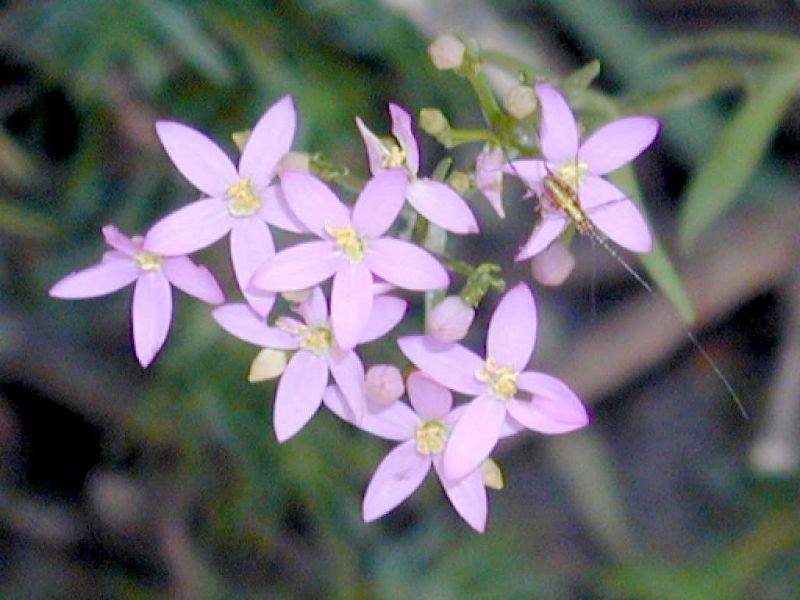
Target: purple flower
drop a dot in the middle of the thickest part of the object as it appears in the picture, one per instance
(580, 166)
(423, 434)
(300, 389)
(350, 248)
(434, 200)
(241, 200)
(496, 382)
(131, 260)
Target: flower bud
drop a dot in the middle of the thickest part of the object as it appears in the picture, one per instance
(489, 177)
(295, 161)
(450, 319)
(459, 181)
(553, 265)
(491, 475)
(432, 121)
(446, 52)
(384, 384)
(268, 364)
(520, 101)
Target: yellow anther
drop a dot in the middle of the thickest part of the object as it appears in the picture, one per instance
(148, 261)
(431, 437)
(571, 174)
(318, 339)
(352, 245)
(242, 200)
(394, 157)
(502, 380)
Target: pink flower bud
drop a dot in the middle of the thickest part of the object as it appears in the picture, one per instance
(520, 101)
(384, 384)
(450, 319)
(446, 52)
(553, 265)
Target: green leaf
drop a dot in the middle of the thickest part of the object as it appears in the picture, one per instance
(737, 152)
(750, 42)
(582, 78)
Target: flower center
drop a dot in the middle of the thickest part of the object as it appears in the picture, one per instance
(317, 339)
(571, 174)
(148, 261)
(242, 200)
(393, 157)
(502, 380)
(352, 245)
(431, 437)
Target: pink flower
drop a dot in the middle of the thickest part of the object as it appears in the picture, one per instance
(434, 200)
(351, 248)
(496, 383)
(581, 167)
(423, 432)
(451, 319)
(240, 201)
(300, 389)
(489, 177)
(131, 260)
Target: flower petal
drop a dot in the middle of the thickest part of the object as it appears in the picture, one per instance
(440, 204)
(198, 158)
(119, 241)
(189, 228)
(275, 210)
(545, 232)
(348, 373)
(450, 364)
(298, 267)
(196, 280)
(430, 399)
(269, 141)
(397, 477)
(558, 131)
(251, 246)
(530, 171)
(553, 408)
(489, 177)
(380, 202)
(375, 147)
(151, 315)
(467, 495)
(403, 131)
(617, 143)
(313, 203)
(242, 322)
(474, 436)
(351, 303)
(615, 215)
(396, 422)
(512, 329)
(405, 265)
(386, 313)
(315, 308)
(98, 280)
(299, 393)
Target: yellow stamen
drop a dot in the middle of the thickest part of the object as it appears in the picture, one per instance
(242, 200)
(148, 261)
(571, 173)
(431, 437)
(394, 157)
(352, 245)
(502, 380)
(318, 339)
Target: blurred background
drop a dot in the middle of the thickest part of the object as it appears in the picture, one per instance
(121, 483)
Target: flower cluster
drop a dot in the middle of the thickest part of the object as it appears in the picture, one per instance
(314, 348)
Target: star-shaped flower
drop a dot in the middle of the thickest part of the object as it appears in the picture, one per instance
(239, 200)
(131, 260)
(434, 200)
(497, 382)
(577, 169)
(351, 248)
(300, 389)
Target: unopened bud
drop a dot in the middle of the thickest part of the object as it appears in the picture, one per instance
(384, 384)
(268, 364)
(446, 52)
(520, 101)
(460, 181)
(553, 265)
(489, 177)
(297, 296)
(450, 320)
(432, 121)
(294, 161)
(492, 475)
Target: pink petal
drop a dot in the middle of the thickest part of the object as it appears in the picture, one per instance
(545, 232)
(313, 203)
(298, 267)
(452, 365)
(151, 314)
(315, 309)
(189, 228)
(558, 132)
(195, 280)
(474, 436)
(299, 393)
(119, 241)
(251, 246)
(467, 495)
(348, 373)
(108, 276)
(380, 202)
(375, 148)
(269, 141)
(617, 217)
(386, 313)
(399, 474)
(275, 210)
(429, 399)
(530, 171)
(553, 408)
(397, 422)
(489, 177)
(617, 143)
(240, 321)
(404, 133)
(405, 265)
(351, 303)
(440, 204)
(198, 159)
(512, 329)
